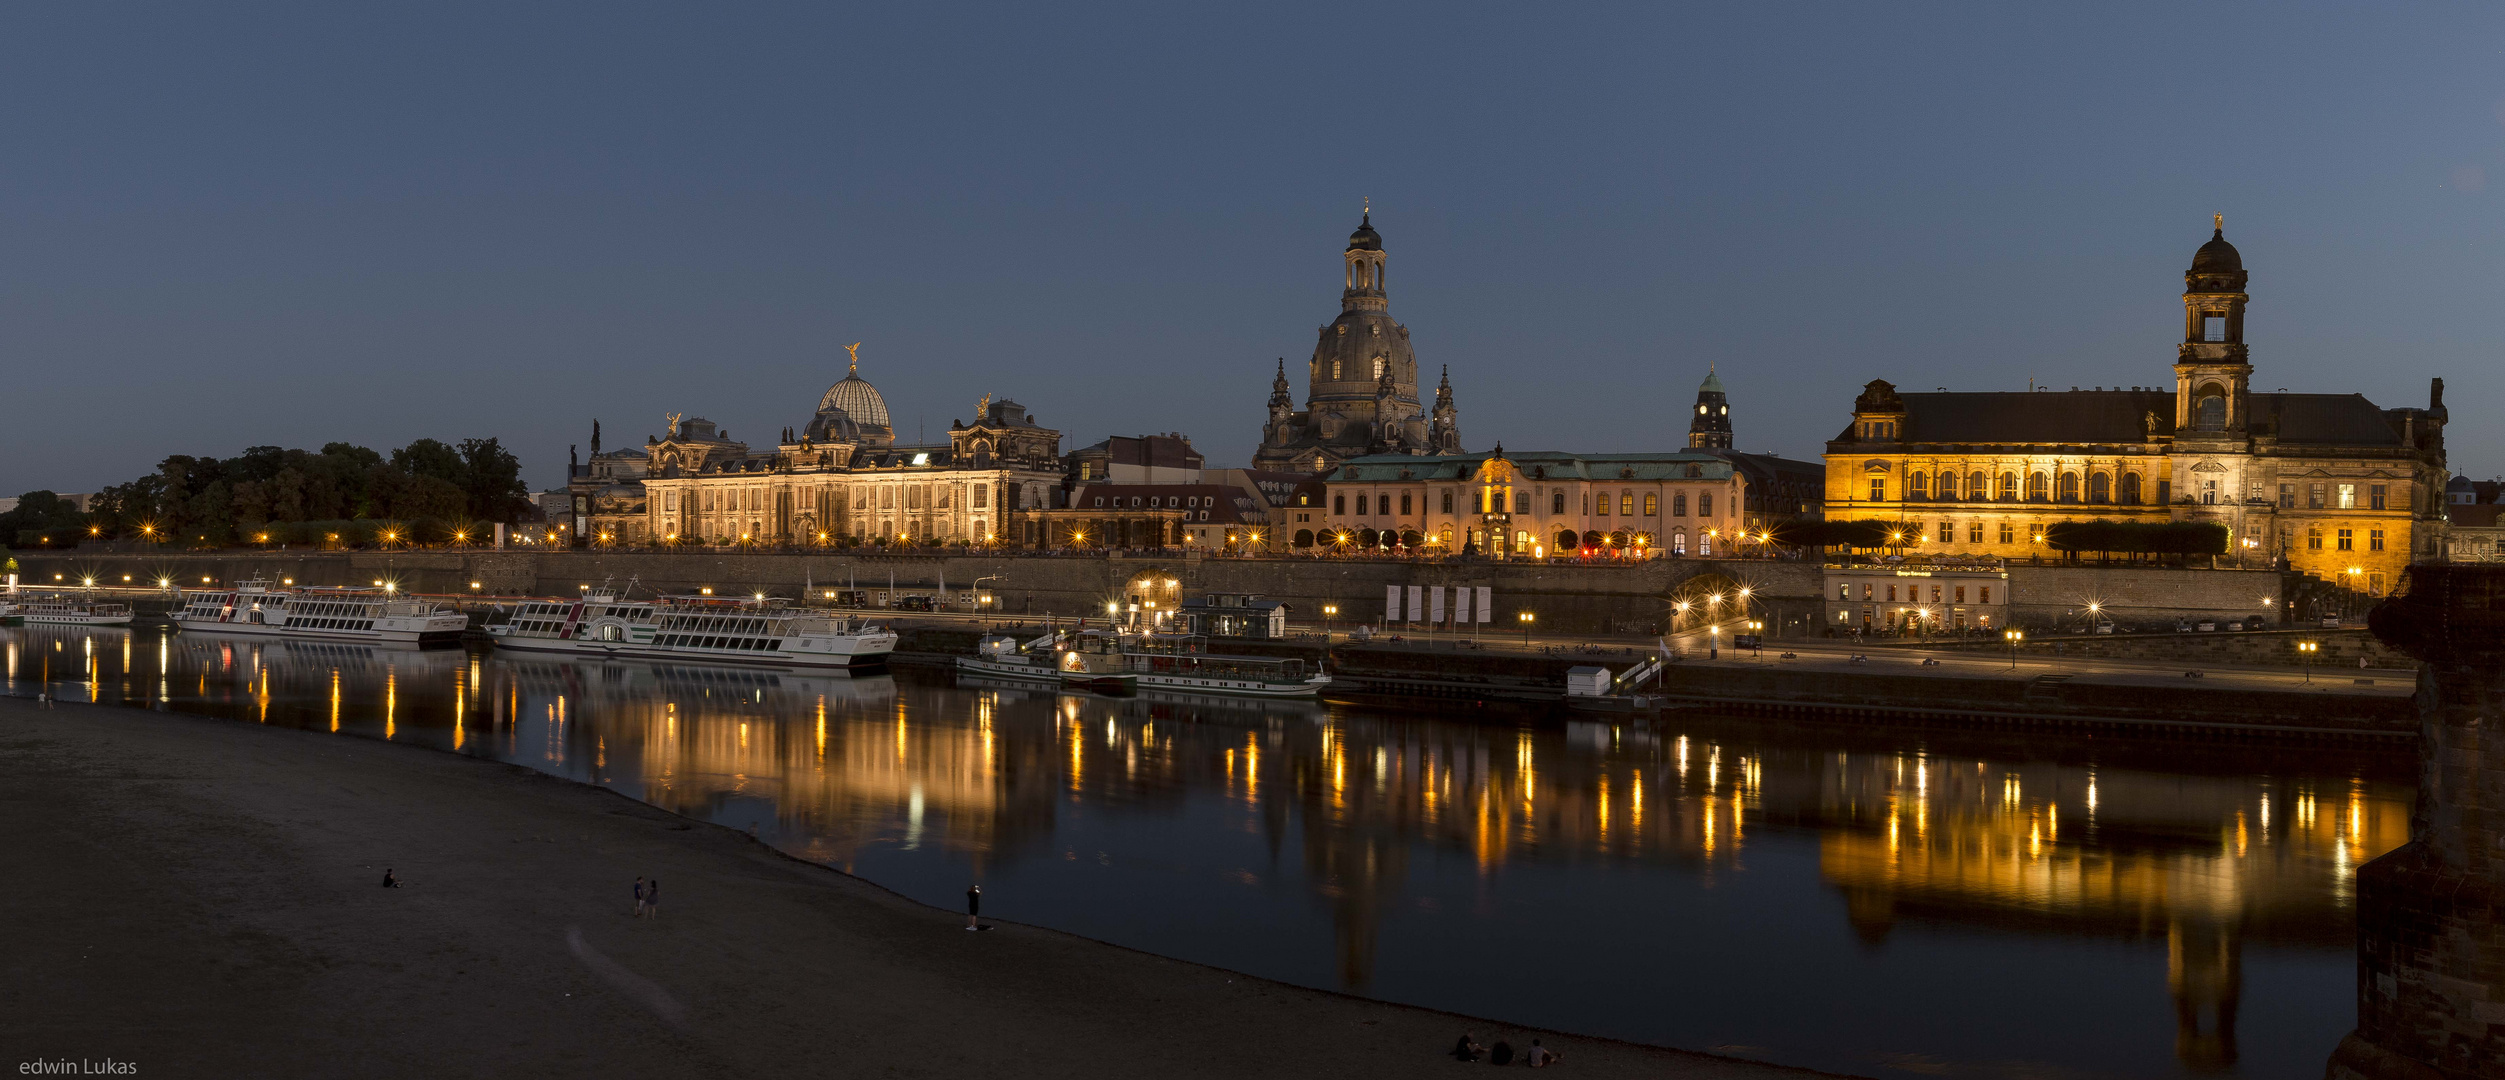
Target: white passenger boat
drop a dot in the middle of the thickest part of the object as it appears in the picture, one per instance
(722, 630)
(253, 607)
(1001, 656)
(62, 610)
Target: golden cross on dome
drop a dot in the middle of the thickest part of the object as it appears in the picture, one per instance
(855, 350)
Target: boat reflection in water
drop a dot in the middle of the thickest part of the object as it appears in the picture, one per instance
(1865, 901)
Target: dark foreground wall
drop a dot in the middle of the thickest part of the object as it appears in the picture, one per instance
(2431, 913)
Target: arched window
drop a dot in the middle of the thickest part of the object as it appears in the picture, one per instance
(1334, 369)
(1978, 487)
(2100, 488)
(1678, 506)
(2008, 487)
(1919, 487)
(1378, 367)
(2130, 488)
(2069, 487)
(2039, 487)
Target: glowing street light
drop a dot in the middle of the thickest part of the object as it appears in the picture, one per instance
(2305, 651)
(1526, 619)
(2013, 637)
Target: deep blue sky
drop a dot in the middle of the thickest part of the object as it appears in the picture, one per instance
(227, 226)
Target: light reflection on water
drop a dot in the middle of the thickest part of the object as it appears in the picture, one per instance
(1877, 902)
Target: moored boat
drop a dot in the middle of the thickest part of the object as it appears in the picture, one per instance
(717, 629)
(62, 610)
(255, 608)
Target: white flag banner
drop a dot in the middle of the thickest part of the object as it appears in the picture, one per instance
(1417, 604)
(1435, 604)
(1484, 604)
(1461, 604)
(1391, 603)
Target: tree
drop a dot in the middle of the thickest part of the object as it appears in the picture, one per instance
(43, 519)
(493, 480)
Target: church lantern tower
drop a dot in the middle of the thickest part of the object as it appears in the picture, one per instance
(1710, 427)
(2213, 370)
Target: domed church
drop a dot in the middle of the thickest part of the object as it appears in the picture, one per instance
(1362, 384)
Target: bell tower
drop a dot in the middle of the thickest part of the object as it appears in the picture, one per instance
(1710, 427)
(2213, 371)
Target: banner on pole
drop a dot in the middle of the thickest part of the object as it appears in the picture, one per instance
(1417, 604)
(1484, 605)
(1391, 603)
(1435, 604)
(1461, 604)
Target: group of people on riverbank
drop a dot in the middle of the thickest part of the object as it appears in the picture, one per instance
(647, 898)
(1467, 1050)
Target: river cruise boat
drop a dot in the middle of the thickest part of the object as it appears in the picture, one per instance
(50, 610)
(721, 630)
(1109, 662)
(338, 614)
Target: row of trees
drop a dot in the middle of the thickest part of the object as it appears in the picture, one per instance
(290, 496)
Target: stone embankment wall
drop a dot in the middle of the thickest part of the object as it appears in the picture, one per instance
(1565, 598)
(2052, 595)
(2263, 648)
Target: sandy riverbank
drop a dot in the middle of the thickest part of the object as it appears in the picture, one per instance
(199, 897)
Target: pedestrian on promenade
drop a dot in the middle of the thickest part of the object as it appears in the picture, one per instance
(390, 882)
(973, 906)
(652, 898)
(639, 896)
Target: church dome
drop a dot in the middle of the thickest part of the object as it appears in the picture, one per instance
(857, 399)
(832, 425)
(2217, 256)
(1365, 238)
(1712, 385)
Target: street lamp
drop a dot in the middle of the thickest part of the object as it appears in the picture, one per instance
(1713, 643)
(2305, 651)
(1527, 619)
(2013, 637)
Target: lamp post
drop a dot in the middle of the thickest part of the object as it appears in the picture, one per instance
(1329, 612)
(2096, 617)
(2305, 651)
(1527, 619)
(1757, 633)
(2013, 637)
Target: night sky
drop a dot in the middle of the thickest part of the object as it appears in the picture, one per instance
(228, 226)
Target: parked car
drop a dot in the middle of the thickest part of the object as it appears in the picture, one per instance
(2209, 626)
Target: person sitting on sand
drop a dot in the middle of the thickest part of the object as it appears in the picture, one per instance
(1464, 1049)
(1501, 1053)
(1538, 1056)
(390, 882)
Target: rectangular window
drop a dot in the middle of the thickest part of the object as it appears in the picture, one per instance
(1878, 490)
(1974, 533)
(1935, 594)
(1604, 507)
(1987, 594)
(1339, 504)
(1891, 593)
(1448, 500)
(1652, 506)
(1948, 532)
(982, 496)
(2374, 584)
(1404, 502)
(2313, 539)
(2009, 533)
(2313, 497)
(1704, 504)
(1557, 503)
(1626, 505)
(2374, 496)
(2287, 496)
(2348, 540)
(1844, 590)
(1522, 502)
(1961, 594)
(2213, 328)
(2348, 496)
(1865, 590)
(2374, 539)
(2165, 492)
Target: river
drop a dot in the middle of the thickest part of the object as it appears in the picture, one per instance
(1865, 900)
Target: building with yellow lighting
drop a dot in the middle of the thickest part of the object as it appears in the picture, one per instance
(2330, 484)
(1684, 502)
(843, 475)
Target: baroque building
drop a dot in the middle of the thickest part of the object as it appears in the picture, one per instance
(1362, 384)
(843, 475)
(2331, 484)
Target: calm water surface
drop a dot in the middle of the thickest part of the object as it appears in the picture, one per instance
(1878, 902)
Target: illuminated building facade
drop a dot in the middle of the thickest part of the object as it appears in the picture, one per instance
(1685, 502)
(2331, 483)
(844, 476)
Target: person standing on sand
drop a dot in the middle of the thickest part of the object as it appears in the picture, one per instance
(639, 896)
(652, 898)
(973, 906)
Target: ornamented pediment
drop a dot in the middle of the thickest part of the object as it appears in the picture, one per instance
(2209, 467)
(1874, 465)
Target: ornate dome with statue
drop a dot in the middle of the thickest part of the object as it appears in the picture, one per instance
(857, 399)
